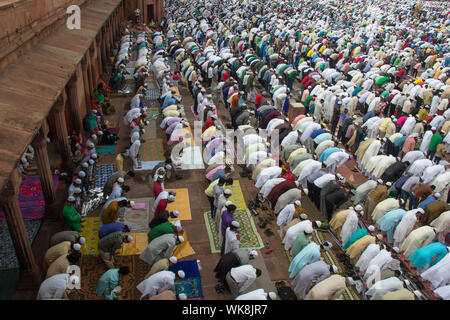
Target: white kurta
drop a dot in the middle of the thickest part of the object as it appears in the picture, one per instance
(156, 283)
(266, 174)
(269, 185)
(404, 227)
(53, 287)
(438, 274)
(350, 226)
(363, 262)
(363, 191)
(293, 231)
(380, 288)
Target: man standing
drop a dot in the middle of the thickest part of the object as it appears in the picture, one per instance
(72, 216)
(231, 238)
(108, 281)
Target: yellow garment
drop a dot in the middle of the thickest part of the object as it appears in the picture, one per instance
(161, 265)
(338, 221)
(363, 147)
(171, 107)
(110, 213)
(208, 133)
(135, 247)
(310, 52)
(357, 248)
(384, 124)
(210, 190)
(422, 114)
(171, 113)
(56, 251)
(295, 153)
(401, 294)
(119, 162)
(184, 249)
(58, 266)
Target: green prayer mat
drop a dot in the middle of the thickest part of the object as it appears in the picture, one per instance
(152, 150)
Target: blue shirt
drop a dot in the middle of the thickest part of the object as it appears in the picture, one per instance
(110, 228)
(427, 201)
(315, 133)
(107, 282)
(328, 152)
(388, 222)
(308, 255)
(322, 137)
(421, 257)
(368, 115)
(400, 141)
(311, 178)
(400, 182)
(355, 237)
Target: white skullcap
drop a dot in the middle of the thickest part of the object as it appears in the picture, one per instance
(71, 199)
(358, 207)
(77, 190)
(308, 229)
(120, 180)
(388, 184)
(129, 238)
(94, 136)
(235, 224)
(178, 228)
(214, 116)
(181, 274)
(371, 228)
(143, 130)
(171, 198)
(74, 280)
(173, 259)
(354, 116)
(82, 240)
(327, 245)
(85, 165)
(350, 208)
(335, 269)
(351, 281)
(100, 133)
(181, 239)
(303, 216)
(91, 161)
(318, 223)
(421, 210)
(227, 191)
(182, 296)
(272, 295)
(173, 192)
(76, 246)
(298, 203)
(132, 203)
(380, 181)
(228, 203)
(78, 181)
(407, 282)
(176, 213)
(396, 249)
(161, 176)
(437, 195)
(168, 167)
(253, 253)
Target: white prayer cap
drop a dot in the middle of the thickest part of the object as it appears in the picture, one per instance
(272, 295)
(433, 128)
(91, 161)
(396, 249)
(77, 190)
(120, 180)
(308, 229)
(85, 165)
(298, 203)
(143, 130)
(380, 181)
(181, 239)
(421, 210)
(132, 203)
(442, 131)
(351, 281)
(379, 236)
(100, 133)
(71, 199)
(228, 203)
(371, 228)
(303, 216)
(235, 224)
(173, 259)
(181, 274)
(388, 184)
(327, 245)
(171, 198)
(182, 296)
(214, 116)
(90, 144)
(94, 136)
(76, 246)
(227, 191)
(384, 139)
(77, 181)
(335, 269)
(168, 167)
(358, 207)
(356, 123)
(173, 192)
(178, 228)
(418, 294)
(129, 238)
(176, 213)
(74, 280)
(253, 253)
(437, 195)
(318, 223)
(354, 116)
(267, 144)
(160, 176)
(402, 201)
(82, 240)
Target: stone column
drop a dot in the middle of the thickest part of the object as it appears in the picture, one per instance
(84, 70)
(98, 49)
(61, 128)
(94, 65)
(31, 276)
(39, 144)
(90, 75)
(75, 103)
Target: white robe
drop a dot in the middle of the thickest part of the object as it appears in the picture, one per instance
(380, 288)
(350, 226)
(426, 141)
(408, 126)
(269, 185)
(404, 227)
(382, 165)
(431, 172)
(412, 156)
(441, 181)
(443, 292)
(156, 283)
(419, 166)
(266, 174)
(439, 274)
(231, 241)
(258, 294)
(293, 231)
(378, 263)
(363, 262)
(363, 191)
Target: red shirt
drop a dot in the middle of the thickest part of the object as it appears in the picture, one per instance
(157, 189)
(226, 75)
(258, 99)
(162, 205)
(208, 123)
(428, 119)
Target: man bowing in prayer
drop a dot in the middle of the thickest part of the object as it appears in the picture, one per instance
(108, 282)
(309, 254)
(316, 271)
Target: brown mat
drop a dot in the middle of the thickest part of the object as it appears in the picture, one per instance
(152, 150)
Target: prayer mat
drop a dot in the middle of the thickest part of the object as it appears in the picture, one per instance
(128, 86)
(89, 230)
(237, 197)
(152, 94)
(191, 285)
(184, 249)
(177, 92)
(151, 131)
(138, 220)
(250, 238)
(103, 172)
(8, 258)
(112, 124)
(188, 136)
(152, 113)
(114, 130)
(192, 159)
(31, 198)
(152, 150)
(135, 247)
(108, 149)
(181, 204)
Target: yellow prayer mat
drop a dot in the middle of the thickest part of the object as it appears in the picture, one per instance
(89, 230)
(236, 195)
(184, 249)
(181, 204)
(135, 247)
(112, 124)
(177, 92)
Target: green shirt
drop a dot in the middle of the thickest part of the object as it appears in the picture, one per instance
(159, 230)
(72, 217)
(300, 242)
(435, 140)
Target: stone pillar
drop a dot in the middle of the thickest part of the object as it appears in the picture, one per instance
(94, 65)
(90, 74)
(61, 128)
(31, 276)
(84, 70)
(39, 144)
(75, 105)
(98, 49)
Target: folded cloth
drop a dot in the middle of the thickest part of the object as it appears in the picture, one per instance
(140, 206)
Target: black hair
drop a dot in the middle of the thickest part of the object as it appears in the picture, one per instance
(124, 270)
(231, 207)
(123, 203)
(221, 180)
(126, 228)
(258, 272)
(73, 257)
(130, 173)
(229, 181)
(126, 188)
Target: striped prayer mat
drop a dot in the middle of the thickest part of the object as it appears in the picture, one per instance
(89, 230)
(103, 172)
(152, 150)
(250, 238)
(237, 197)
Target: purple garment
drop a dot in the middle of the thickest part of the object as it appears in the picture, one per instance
(172, 121)
(227, 219)
(213, 145)
(171, 128)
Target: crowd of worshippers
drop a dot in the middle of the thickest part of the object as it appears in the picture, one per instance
(379, 93)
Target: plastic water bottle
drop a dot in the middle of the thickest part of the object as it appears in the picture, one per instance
(199, 265)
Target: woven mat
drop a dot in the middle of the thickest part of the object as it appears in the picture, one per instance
(103, 172)
(8, 258)
(89, 230)
(152, 94)
(152, 150)
(250, 238)
(152, 113)
(128, 86)
(181, 204)
(138, 220)
(112, 124)
(134, 247)
(191, 285)
(237, 197)
(184, 249)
